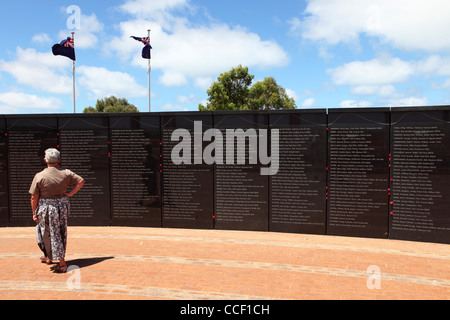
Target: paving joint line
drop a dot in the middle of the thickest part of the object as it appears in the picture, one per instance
(129, 290)
(247, 242)
(251, 265)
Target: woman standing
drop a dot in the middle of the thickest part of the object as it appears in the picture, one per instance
(50, 205)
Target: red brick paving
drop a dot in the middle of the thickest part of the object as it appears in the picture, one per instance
(175, 264)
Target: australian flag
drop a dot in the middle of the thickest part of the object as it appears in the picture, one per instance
(146, 52)
(65, 48)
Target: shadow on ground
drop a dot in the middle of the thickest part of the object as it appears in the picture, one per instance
(82, 263)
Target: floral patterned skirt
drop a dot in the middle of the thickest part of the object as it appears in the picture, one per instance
(52, 215)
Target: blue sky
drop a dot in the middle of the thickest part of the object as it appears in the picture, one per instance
(326, 53)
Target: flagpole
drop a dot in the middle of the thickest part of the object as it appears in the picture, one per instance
(73, 78)
(149, 79)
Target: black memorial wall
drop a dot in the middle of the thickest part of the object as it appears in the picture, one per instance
(241, 192)
(378, 173)
(187, 188)
(135, 170)
(358, 177)
(4, 195)
(420, 173)
(84, 146)
(297, 194)
(27, 139)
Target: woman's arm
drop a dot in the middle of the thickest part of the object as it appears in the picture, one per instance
(34, 205)
(75, 189)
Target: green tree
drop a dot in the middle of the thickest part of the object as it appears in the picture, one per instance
(268, 95)
(232, 91)
(112, 105)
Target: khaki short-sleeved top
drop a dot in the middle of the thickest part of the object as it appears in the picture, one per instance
(53, 182)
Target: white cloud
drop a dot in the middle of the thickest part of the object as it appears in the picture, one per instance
(373, 72)
(292, 94)
(171, 108)
(86, 36)
(148, 7)
(50, 74)
(41, 71)
(355, 104)
(102, 82)
(184, 51)
(7, 109)
(188, 99)
(295, 25)
(12, 102)
(438, 66)
(381, 90)
(173, 79)
(378, 78)
(203, 82)
(332, 21)
(41, 38)
(444, 85)
(434, 65)
(408, 102)
(216, 49)
(409, 25)
(309, 103)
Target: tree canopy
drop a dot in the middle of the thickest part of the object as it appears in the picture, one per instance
(232, 91)
(112, 105)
